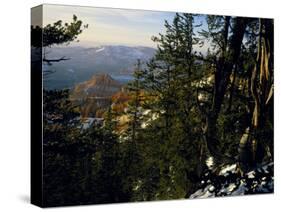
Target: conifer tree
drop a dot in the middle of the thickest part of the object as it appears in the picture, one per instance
(168, 80)
(133, 142)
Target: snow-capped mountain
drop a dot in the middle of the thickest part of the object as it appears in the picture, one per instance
(118, 61)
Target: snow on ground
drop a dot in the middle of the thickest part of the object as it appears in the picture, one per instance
(210, 162)
(204, 193)
(228, 169)
(153, 117)
(229, 183)
(88, 122)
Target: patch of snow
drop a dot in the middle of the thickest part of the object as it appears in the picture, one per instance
(241, 189)
(203, 193)
(251, 174)
(231, 187)
(259, 180)
(227, 189)
(212, 188)
(100, 50)
(210, 162)
(89, 122)
(154, 116)
(144, 125)
(265, 167)
(146, 112)
(229, 168)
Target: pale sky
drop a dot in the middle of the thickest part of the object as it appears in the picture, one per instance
(111, 26)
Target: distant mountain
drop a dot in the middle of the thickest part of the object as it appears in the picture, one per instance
(94, 95)
(100, 85)
(118, 61)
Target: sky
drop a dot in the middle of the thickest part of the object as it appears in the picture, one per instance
(111, 26)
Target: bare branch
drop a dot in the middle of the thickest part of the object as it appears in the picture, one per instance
(49, 61)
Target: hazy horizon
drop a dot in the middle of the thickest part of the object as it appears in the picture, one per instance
(110, 26)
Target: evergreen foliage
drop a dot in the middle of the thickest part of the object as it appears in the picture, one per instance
(181, 108)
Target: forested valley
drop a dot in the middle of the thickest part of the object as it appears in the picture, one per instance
(189, 124)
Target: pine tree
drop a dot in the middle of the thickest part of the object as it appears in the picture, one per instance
(168, 81)
(133, 141)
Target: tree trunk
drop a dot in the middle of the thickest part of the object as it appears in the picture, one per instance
(262, 93)
(224, 69)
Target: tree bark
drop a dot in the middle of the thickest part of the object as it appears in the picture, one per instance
(224, 69)
(262, 93)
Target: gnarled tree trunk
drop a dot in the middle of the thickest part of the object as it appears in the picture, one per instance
(256, 144)
(227, 60)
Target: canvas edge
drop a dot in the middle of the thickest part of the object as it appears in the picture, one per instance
(36, 184)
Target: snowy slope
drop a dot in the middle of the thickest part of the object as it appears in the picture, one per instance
(229, 183)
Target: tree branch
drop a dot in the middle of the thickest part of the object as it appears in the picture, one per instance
(49, 61)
